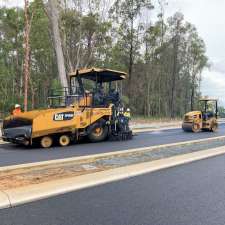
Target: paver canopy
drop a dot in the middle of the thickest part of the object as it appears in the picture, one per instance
(99, 75)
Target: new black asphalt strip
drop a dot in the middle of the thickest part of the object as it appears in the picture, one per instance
(12, 154)
(191, 194)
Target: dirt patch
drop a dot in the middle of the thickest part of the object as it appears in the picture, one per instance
(38, 174)
(19, 178)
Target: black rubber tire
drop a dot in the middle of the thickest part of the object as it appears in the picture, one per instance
(93, 137)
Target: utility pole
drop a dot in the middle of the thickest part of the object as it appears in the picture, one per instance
(26, 67)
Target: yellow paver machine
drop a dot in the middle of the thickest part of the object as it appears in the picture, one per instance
(204, 119)
(89, 107)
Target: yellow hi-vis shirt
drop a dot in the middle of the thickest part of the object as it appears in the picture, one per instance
(127, 114)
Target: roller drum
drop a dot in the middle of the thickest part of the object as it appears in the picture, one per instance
(187, 127)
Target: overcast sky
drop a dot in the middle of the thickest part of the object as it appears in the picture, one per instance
(207, 16)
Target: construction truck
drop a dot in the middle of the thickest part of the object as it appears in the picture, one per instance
(89, 107)
(203, 119)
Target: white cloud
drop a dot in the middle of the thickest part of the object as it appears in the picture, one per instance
(213, 85)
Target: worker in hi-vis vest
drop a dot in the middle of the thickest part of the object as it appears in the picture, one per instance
(127, 113)
(17, 110)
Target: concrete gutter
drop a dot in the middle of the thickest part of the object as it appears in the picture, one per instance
(4, 200)
(2, 142)
(155, 125)
(161, 126)
(140, 130)
(48, 189)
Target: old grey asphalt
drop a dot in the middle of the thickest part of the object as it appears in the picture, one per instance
(191, 194)
(12, 154)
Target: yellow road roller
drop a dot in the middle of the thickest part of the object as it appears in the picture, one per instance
(89, 107)
(204, 119)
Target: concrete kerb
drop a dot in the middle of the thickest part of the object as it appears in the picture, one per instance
(141, 130)
(4, 200)
(48, 189)
(3, 142)
(108, 154)
(168, 127)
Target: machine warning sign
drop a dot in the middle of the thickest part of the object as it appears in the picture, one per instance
(63, 116)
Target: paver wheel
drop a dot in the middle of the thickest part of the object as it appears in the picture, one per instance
(46, 142)
(64, 140)
(99, 132)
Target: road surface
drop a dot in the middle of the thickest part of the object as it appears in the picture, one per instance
(11, 154)
(191, 194)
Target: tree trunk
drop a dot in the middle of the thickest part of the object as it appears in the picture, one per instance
(192, 97)
(130, 67)
(174, 74)
(27, 53)
(54, 17)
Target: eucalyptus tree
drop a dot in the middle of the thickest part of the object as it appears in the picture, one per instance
(11, 56)
(126, 13)
(52, 9)
(197, 61)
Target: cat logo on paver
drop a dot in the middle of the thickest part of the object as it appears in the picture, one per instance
(63, 116)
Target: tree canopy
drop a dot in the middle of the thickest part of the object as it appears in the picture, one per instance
(164, 58)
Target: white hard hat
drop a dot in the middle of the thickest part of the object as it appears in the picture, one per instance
(128, 110)
(17, 106)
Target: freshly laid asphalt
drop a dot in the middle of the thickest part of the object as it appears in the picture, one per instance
(12, 154)
(191, 194)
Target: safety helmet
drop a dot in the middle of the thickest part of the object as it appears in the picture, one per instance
(17, 106)
(128, 110)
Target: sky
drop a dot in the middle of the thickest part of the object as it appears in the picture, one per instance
(207, 16)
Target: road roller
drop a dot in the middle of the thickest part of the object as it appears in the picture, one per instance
(203, 119)
(89, 107)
